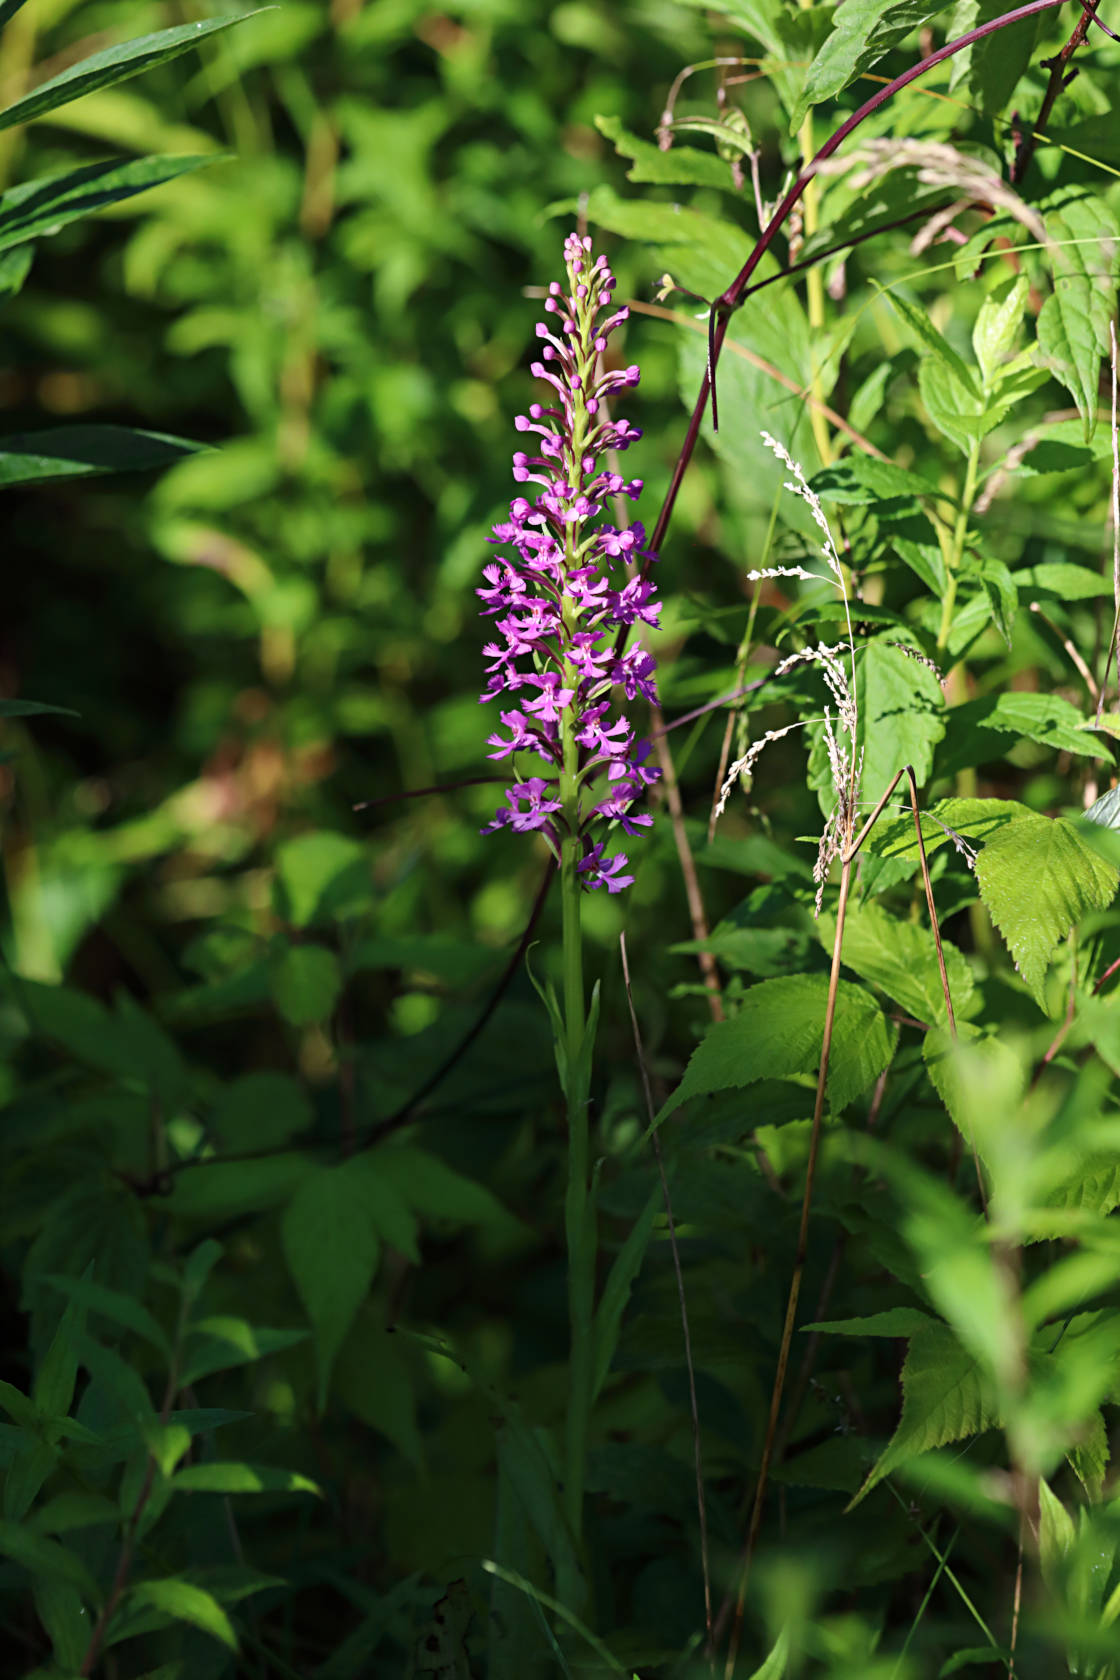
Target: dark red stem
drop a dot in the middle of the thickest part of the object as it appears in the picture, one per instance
(730, 300)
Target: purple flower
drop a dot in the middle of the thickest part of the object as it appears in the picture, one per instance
(570, 585)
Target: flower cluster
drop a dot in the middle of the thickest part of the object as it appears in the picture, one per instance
(564, 605)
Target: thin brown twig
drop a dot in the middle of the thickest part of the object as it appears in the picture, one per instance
(697, 914)
(1114, 642)
(1073, 655)
(798, 1274)
(930, 906)
(701, 1503)
(737, 349)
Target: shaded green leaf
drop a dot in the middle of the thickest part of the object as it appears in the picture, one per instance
(305, 982)
(778, 1031)
(45, 1559)
(944, 1398)
(1037, 879)
(901, 958)
(222, 1343)
(1073, 321)
(863, 31)
(84, 451)
(332, 1250)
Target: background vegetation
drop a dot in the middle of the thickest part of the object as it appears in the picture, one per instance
(286, 1325)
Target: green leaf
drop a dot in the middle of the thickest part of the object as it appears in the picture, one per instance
(220, 1190)
(616, 1292)
(82, 452)
(970, 820)
(122, 1309)
(778, 1031)
(938, 348)
(895, 1321)
(46, 1559)
(901, 715)
(305, 982)
(862, 481)
(705, 253)
(1073, 321)
(863, 31)
(53, 1389)
(8, 10)
(944, 1399)
(319, 875)
(32, 708)
(680, 165)
(963, 1079)
(436, 1191)
(222, 1343)
(182, 1601)
(115, 64)
(1037, 879)
(1056, 1534)
(373, 1380)
(72, 1510)
(260, 1110)
(997, 327)
(59, 1607)
(1060, 578)
(777, 1662)
(332, 1250)
(221, 1477)
(36, 209)
(901, 958)
(973, 729)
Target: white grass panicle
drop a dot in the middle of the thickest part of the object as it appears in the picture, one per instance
(845, 763)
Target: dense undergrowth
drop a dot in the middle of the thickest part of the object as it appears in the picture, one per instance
(781, 1334)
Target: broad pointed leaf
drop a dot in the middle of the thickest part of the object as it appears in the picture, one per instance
(779, 1030)
(115, 64)
(1038, 878)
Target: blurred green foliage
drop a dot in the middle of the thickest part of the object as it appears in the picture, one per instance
(285, 1311)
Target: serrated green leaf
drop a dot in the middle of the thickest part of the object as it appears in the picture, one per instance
(1037, 879)
(862, 481)
(114, 64)
(332, 1249)
(972, 728)
(778, 1031)
(680, 165)
(224, 1477)
(1073, 321)
(36, 209)
(972, 820)
(863, 31)
(900, 957)
(963, 1068)
(944, 1399)
(895, 1321)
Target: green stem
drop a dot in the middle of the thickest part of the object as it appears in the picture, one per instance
(956, 544)
(579, 1224)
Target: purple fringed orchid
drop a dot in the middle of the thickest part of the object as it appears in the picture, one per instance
(559, 605)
